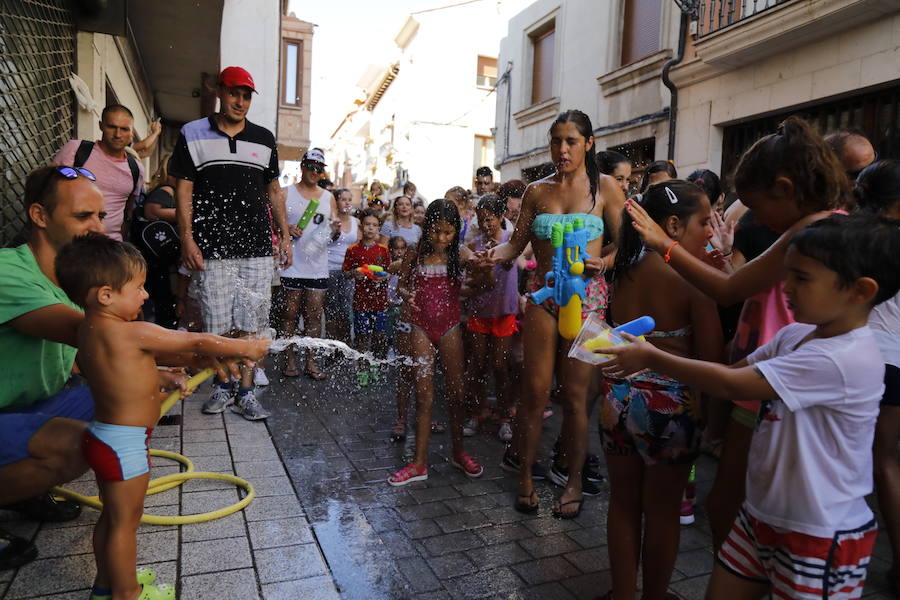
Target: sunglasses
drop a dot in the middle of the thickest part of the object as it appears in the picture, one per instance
(75, 172)
(314, 167)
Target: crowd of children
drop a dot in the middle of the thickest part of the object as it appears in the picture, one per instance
(808, 370)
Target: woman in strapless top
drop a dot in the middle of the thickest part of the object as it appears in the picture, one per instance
(575, 190)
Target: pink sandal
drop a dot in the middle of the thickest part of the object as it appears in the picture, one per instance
(467, 465)
(408, 474)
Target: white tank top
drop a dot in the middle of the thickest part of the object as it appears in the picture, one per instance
(338, 248)
(310, 257)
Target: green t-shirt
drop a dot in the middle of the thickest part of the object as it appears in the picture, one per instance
(34, 369)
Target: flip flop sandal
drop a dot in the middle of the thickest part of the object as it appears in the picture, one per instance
(437, 427)
(559, 514)
(295, 372)
(527, 507)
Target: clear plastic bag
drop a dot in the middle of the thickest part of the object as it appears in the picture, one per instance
(594, 333)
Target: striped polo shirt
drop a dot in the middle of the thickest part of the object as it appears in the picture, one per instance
(230, 175)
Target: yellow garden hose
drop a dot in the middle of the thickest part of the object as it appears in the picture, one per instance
(168, 482)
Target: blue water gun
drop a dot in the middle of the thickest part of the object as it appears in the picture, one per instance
(565, 280)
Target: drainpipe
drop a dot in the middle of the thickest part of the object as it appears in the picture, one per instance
(673, 104)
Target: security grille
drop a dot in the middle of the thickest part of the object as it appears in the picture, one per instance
(876, 114)
(37, 42)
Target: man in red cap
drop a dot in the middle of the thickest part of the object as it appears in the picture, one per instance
(227, 179)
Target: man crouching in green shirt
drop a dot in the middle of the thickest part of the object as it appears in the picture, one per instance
(41, 420)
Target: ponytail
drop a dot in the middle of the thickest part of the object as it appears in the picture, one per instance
(798, 152)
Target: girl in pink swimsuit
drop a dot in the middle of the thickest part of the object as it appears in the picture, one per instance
(431, 283)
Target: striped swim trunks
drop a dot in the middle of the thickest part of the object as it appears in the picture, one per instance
(796, 565)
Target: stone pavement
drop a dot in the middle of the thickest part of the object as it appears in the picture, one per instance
(326, 525)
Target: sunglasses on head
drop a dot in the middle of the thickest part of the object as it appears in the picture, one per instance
(75, 172)
(314, 167)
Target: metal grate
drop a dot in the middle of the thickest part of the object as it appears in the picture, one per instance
(37, 46)
(876, 114)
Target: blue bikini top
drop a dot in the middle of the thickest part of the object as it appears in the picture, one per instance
(544, 222)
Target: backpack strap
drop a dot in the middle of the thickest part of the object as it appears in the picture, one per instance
(83, 153)
(135, 173)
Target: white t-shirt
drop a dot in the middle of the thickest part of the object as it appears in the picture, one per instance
(311, 249)
(810, 461)
(885, 323)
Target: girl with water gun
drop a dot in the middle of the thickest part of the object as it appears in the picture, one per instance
(650, 423)
(576, 191)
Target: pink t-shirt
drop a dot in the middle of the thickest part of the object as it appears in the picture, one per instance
(114, 180)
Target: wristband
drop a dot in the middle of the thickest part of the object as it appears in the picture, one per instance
(668, 256)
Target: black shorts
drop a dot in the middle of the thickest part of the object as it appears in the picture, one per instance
(297, 283)
(891, 386)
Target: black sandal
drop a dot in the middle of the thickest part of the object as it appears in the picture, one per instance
(527, 507)
(559, 514)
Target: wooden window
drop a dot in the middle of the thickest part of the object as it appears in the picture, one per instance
(543, 50)
(640, 29)
(487, 72)
(292, 73)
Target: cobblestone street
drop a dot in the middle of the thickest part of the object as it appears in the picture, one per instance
(326, 525)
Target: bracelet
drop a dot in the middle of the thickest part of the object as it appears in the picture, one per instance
(730, 252)
(668, 256)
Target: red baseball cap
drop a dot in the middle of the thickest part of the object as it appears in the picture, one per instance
(236, 77)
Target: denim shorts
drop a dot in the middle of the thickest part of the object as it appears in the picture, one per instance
(369, 321)
(19, 424)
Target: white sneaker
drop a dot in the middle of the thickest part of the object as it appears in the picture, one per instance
(217, 401)
(470, 427)
(259, 377)
(249, 407)
(505, 433)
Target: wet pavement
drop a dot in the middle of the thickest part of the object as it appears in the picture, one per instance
(326, 524)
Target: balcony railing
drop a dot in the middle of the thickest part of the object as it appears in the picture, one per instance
(714, 15)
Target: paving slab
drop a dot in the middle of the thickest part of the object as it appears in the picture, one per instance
(325, 525)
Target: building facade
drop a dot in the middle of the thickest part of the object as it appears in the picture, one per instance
(427, 113)
(64, 61)
(836, 62)
(742, 68)
(604, 59)
(294, 87)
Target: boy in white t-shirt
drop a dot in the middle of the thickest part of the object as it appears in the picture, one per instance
(805, 530)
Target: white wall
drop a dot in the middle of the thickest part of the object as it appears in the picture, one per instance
(251, 39)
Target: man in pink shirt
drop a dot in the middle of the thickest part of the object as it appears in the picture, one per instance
(120, 176)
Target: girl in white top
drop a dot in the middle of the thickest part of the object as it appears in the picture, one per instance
(339, 298)
(878, 191)
(401, 223)
(306, 280)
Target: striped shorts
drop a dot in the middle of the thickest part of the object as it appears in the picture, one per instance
(234, 294)
(796, 565)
